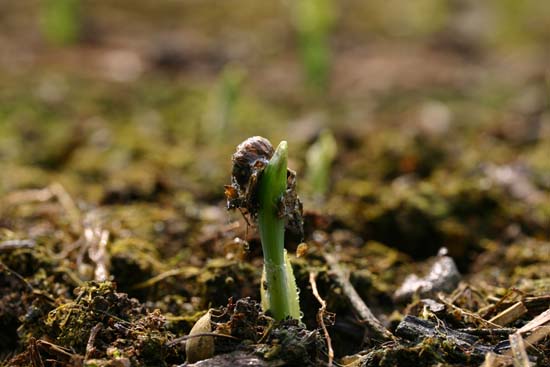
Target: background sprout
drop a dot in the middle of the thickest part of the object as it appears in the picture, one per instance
(262, 184)
(224, 101)
(319, 159)
(313, 21)
(61, 21)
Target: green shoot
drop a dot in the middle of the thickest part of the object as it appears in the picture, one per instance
(279, 291)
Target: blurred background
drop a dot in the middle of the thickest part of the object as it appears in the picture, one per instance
(146, 100)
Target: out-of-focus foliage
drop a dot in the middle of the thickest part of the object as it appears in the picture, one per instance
(313, 20)
(319, 159)
(61, 20)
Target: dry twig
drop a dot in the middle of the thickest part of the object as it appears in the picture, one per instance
(356, 302)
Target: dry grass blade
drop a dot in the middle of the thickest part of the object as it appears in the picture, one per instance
(541, 319)
(510, 315)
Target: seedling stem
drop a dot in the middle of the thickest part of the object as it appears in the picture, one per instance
(279, 292)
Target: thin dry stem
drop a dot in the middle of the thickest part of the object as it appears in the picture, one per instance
(472, 315)
(198, 335)
(68, 205)
(187, 272)
(320, 316)
(91, 340)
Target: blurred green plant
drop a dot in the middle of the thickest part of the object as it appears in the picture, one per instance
(319, 159)
(60, 21)
(313, 20)
(224, 100)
